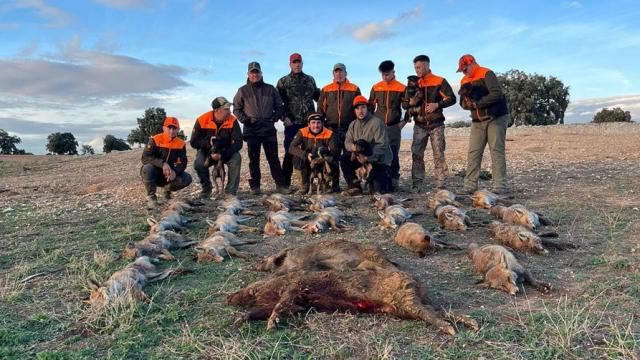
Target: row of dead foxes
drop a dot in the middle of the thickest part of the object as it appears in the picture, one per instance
(335, 275)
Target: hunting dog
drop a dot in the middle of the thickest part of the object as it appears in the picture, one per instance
(470, 95)
(218, 173)
(414, 98)
(320, 167)
(363, 173)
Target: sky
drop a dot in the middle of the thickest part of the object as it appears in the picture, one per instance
(91, 67)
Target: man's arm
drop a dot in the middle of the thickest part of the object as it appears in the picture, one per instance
(238, 108)
(495, 92)
(373, 101)
(448, 97)
(149, 155)
(316, 91)
(348, 138)
(285, 98)
(179, 169)
(236, 143)
(296, 149)
(198, 140)
(322, 98)
(380, 143)
(278, 106)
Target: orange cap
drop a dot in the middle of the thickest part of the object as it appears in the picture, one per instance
(465, 60)
(171, 121)
(359, 100)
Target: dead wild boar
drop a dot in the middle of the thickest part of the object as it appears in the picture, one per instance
(414, 237)
(336, 254)
(519, 215)
(371, 291)
(157, 245)
(484, 199)
(327, 218)
(442, 197)
(501, 270)
(278, 223)
(393, 216)
(382, 201)
(128, 282)
(452, 218)
(230, 223)
(220, 244)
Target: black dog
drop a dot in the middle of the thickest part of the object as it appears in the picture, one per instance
(218, 172)
(320, 170)
(414, 98)
(363, 173)
(469, 96)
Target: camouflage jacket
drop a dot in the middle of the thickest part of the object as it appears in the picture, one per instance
(298, 92)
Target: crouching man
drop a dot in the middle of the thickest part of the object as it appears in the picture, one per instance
(217, 137)
(366, 145)
(163, 162)
(313, 145)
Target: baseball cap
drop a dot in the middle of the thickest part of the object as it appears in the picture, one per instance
(359, 100)
(315, 116)
(254, 65)
(220, 102)
(339, 66)
(464, 61)
(295, 56)
(171, 121)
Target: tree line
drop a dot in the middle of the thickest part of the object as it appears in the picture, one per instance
(533, 99)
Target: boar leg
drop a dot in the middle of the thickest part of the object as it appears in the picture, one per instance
(285, 304)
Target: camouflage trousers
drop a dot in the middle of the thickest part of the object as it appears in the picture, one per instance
(492, 133)
(420, 138)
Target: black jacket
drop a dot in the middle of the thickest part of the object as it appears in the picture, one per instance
(258, 106)
(228, 134)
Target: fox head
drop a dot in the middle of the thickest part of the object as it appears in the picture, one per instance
(532, 241)
(130, 252)
(498, 211)
(526, 218)
(202, 255)
(273, 229)
(455, 221)
(502, 278)
(98, 295)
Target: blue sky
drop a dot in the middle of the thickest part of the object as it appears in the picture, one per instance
(92, 67)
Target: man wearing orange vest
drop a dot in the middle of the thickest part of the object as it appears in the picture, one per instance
(437, 95)
(335, 104)
(164, 160)
(482, 95)
(217, 135)
(386, 100)
(312, 141)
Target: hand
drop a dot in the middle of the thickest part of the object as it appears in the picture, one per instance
(467, 103)
(166, 170)
(172, 176)
(431, 107)
(353, 147)
(287, 122)
(310, 157)
(215, 156)
(401, 124)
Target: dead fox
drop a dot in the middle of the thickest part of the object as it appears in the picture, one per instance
(157, 245)
(484, 199)
(235, 206)
(230, 223)
(320, 202)
(372, 291)
(501, 270)
(169, 220)
(415, 238)
(336, 254)
(128, 282)
(452, 218)
(381, 201)
(393, 216)
(221, 243)
(277, 202)
(521, 239)
(279, 222)
(519, 215)
(442, 197)
(328, 217)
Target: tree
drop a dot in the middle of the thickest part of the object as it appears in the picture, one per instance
(62, 143)
(614, 115)
(87, 149)
(148, 125)
(534, 99)
(8, 144)
(113, 143)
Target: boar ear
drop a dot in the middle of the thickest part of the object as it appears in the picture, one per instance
(151, 221)
(381, 214)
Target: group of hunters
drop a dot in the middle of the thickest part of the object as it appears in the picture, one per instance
(341, 118)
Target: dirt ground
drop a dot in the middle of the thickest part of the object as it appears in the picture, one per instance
(73, 214)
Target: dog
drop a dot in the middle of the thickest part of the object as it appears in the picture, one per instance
(501, 270)
(414, 237)
(363, 173)
(414, 99)
(469, 96)
(320, 173)
(218, 173)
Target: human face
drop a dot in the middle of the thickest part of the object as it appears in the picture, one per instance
(361, 111)
(296, 66)
(170, 131)
(387, 76)
(254, 76)
(221, 114)
(421, 68)
(339, 75)
(315, 126)
(468, 69)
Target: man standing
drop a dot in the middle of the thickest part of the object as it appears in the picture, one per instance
(437, 95)
(483, 96)
(258, 106)
(386, 98)
(217, 137)
(163, 162)
(373, 131)
(313, 141)
(335, 104)
(298, 91)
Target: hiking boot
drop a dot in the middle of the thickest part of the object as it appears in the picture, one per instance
(152, 202)
(166, 195)
(466, 191)
(284, 190)
(304, 190)
(504, 192)
(335, 190)
(395, 184)
(205, 195)
(256, 191)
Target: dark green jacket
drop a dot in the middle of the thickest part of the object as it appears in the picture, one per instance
(298, 91)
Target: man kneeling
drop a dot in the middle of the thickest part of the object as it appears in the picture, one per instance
(163, 162)
(313, 148)
(218, 138)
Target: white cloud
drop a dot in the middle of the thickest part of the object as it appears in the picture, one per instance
(573, 4)
(125, 4)
(379, 30)
(582, 111)
(54, 16)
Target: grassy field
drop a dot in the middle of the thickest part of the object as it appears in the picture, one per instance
(67, 219)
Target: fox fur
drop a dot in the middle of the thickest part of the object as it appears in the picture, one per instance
(519, 215)
(279, 222)
(442, 197)
(381, 201)
(522, 239)
(220, 244)
(235, 206)
(393, 216)
(169, 220)
(452, 218)
(414, 237)
(320, 202)
(230, 223)
(277, 202)
(327, 218)
(501, 270)
(157, 245)
(484, 199)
